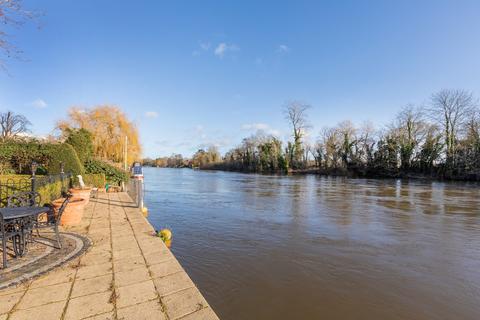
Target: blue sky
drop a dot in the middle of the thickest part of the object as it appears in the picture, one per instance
(193, 73)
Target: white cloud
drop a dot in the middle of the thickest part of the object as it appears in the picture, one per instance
(223, 48)
(151, 114)
(205, 46)
(199, 132)
(255, 126)
(262, 127)
(39, 104)
(283, 48)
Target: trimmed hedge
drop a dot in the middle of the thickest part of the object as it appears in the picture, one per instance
(81, 141)
(112, 174)
(94, 180)
(18, 183)
(49, 156)
(64, 153)
(51, 191)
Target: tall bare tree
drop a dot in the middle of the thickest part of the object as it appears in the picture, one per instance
(410, 129)
(451, 109)
(296, 114)
(13, 125)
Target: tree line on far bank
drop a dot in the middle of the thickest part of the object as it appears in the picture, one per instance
(440, 140)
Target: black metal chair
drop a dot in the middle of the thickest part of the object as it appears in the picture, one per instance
(12, 231)
(24, 199)
(52, 220)
(7, 233)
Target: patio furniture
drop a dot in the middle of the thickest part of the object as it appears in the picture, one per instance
(24, 199)
(53, 220)
(16, 224)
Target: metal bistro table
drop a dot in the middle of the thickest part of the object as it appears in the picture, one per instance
(17, 224)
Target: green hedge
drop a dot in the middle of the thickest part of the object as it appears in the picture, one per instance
(19, 156)
(51, 191)
(112, 174)
(94, 180)
(81, 141)
(12, 184)
(64, 153)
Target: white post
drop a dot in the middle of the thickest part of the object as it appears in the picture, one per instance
(125, 154)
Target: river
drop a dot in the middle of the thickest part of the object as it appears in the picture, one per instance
(311, 247)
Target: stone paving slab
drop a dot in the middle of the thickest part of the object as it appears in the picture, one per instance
(127, 273)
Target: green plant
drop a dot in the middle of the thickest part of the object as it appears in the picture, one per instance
(64, 153)
(94, 179)
(112, 174)
(48, 191)
(81, 141)
(18, 155)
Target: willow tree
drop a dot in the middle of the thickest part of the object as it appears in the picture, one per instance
(109, 127)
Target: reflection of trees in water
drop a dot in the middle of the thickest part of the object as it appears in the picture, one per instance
(208, 184)
(296, 196)
(337, 195)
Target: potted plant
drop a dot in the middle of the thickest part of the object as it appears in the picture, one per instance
(73, 213)
(83, 193)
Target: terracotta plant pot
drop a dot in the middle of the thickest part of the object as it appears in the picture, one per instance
(81, 193)
(73, 212)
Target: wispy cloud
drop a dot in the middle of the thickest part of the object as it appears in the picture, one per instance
(283, 48)
(39, 104)
(200, 132)
(255, 126)
(223, 48)
(262, 127)
(204, 47)
(151, 114)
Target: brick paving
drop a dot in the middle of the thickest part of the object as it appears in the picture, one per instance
(126, 274)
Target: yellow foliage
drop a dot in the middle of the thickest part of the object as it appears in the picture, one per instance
(109, 126)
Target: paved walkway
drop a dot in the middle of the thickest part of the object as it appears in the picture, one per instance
(126, 274)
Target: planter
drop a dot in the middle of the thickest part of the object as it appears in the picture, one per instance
(82, 193)
(73, 212)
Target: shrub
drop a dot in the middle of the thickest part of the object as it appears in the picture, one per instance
(112, 174)
(51, 191)
(64, 153)
(19, 156)
(48, 191)
(94, 179)
(81, 141)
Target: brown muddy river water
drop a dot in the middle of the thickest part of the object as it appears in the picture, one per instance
(309, 247)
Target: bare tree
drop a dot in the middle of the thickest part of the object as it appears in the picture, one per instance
(346, 130)
(331, 141)
(13, 125)
(366, 143)
(451, 109)
(12, 14)
(410, 129)
(296, 114)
